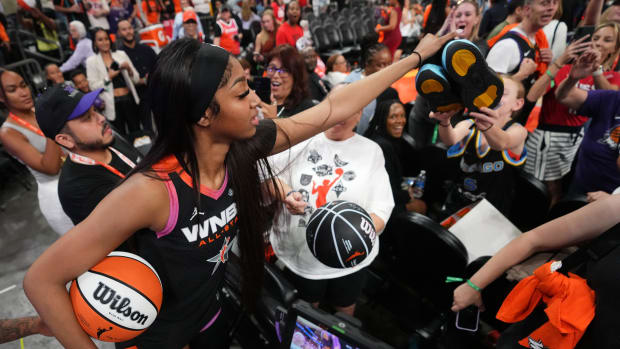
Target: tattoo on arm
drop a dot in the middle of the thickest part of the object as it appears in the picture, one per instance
(13, 329)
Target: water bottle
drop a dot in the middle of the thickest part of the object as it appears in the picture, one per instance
(418, 187)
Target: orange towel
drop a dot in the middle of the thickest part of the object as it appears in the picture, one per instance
(570, 307)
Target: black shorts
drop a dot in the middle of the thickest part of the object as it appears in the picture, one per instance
(339, 292)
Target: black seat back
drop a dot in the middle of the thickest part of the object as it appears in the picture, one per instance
(333, 33)
(348, 36)
(320, 38)
(531, 202)
(423, 253)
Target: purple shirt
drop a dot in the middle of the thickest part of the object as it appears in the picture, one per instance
(596, 162)
(83, 50)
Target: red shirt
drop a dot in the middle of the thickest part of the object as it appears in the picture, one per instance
(278, 11)
(288, 35)
(555, 113)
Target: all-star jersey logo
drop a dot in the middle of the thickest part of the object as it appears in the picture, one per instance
(221, 257)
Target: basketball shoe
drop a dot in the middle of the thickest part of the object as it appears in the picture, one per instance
(477, 84)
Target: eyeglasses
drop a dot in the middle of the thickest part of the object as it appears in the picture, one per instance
(272, 70)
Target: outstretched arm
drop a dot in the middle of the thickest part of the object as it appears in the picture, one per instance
(14, 329)
(343, 102)
(584, 224)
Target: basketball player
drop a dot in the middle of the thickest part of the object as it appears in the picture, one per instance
(196, 192)
(93, 167)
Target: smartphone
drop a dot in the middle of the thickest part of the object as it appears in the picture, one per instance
(262, 86)
(114, 65)
(580, 32)
(468, 319)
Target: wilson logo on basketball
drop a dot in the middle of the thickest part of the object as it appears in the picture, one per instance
(122, 305)
(368, 228)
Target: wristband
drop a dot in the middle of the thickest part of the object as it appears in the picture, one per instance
(599, 71)
(469, 282)
(552, 77)
(486, 129)
(419, 59)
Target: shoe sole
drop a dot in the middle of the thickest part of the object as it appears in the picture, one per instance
(432, 84)
(465, 65)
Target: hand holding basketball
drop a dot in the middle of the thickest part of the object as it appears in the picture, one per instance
(118, 298)
(340, 234)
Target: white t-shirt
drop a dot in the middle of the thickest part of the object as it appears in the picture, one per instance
(557, 44)
(363, 181)
(101, 21)
(505, 55)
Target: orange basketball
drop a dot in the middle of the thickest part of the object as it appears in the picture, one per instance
(117, 299)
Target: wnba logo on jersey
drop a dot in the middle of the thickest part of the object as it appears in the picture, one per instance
(105, 294)
(211, 225)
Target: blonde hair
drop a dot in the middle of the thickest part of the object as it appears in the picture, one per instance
(473, 37)
(612, 58)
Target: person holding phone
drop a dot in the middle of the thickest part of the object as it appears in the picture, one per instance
(553, 145)
(104, 70)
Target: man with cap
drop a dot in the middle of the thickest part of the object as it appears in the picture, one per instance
(227, 33)
(93, 167)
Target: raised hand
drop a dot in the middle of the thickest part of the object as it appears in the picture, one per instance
(573, 50)
(444, 117)
(586, 64)
(430, 44)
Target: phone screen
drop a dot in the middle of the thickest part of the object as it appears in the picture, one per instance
(468, 318)
(262, 86)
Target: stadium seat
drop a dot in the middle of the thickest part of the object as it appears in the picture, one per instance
(565, 206)
(422, 253)
(531, 202)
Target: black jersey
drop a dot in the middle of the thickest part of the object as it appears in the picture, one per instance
(190, 254)
(486, 173)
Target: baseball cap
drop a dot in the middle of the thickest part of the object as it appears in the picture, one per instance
(189, 14)
(60, 104)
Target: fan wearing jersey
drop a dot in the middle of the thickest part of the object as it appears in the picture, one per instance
(325, 168)
(490, 146)
(195, 193)
(227, 33)
(96, 162)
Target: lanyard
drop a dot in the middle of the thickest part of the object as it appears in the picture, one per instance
(26, 124)
(88, 161)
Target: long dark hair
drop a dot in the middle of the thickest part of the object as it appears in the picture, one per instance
(295, 64)
(436, 17)
(107, 33)
(377, 126)
(169, 89)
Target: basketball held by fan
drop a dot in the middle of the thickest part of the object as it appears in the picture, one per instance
(117, 299)
(340, 234)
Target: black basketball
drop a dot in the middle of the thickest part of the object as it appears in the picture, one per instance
(340, 234)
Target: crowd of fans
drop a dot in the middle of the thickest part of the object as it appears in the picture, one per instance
(557, 119)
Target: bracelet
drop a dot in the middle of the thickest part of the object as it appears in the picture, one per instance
(599, 71)
(419, 59)
(473, 285)
(557, 65)
(289, 193)
(442, 125)
(486, 129)
(469, 282)
(552, 78)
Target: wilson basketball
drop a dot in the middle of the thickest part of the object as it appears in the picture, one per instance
(117, 299)
(340, 234)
